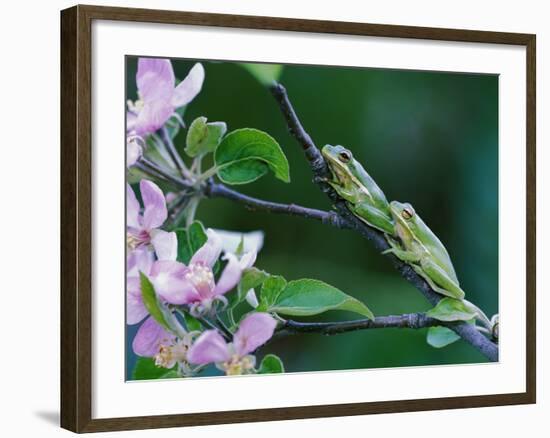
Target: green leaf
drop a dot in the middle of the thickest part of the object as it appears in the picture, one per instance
(145, 369)
(245, 155)
(311, 297)
(203, 137)
(240, 248)
(196, 235)
(266, 74)
(451, 309)
(439, 337)
(171, 374)
(152, 303)
(190, 240)
(191, 322)
(184, 250)
(272, 287)
(251, 278)
(271, 364)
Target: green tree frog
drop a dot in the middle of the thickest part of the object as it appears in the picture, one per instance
(352, 183)
(423, 251)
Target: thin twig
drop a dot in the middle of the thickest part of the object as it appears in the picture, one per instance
(223, 327)
(320, 171)
(151, 167)
(152, 174)
(216, 190)
(172, 151)
(175, 212)
(207, 322)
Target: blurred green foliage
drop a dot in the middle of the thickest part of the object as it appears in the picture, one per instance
(429, 138)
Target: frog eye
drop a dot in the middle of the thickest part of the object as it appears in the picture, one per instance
(407, 213)
(344, 157)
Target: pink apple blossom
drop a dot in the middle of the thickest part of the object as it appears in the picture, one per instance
(195, 284)
(234, 358)
(143, 228)
(158, 94)
(139, 260)
(150, 338)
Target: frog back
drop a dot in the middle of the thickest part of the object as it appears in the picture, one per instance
(433, 245)
(371, 192)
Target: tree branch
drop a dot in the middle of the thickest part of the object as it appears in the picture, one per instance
(215, 190)
(407, 320)
(320, 172)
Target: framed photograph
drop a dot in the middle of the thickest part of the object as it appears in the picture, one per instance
(268, 218)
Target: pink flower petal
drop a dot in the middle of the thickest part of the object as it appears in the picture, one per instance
(247, 260)
(133, 152)
(210, 251)
(208, 348)
(168, 278)
(165, 244)
(139, 260)
(188, 89)
(131, 119)
(135, 309)
(149, 337)
(152, 116)
(155, 79)
(255, 330)
(155, 212)
(231, 275)
(132, 208)
(171, 267)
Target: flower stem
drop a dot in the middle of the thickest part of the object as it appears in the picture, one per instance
(174, 154)
(191, 210)
(205, 321)
(161, 149)
(231, 318)
(223, 326)
(151, 173)
(208, 174)
(196, 166)
(152, 167)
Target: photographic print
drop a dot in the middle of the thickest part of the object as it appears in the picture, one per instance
(301, 218)
(320, 218)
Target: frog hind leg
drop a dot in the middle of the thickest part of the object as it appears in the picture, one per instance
(375, 218)
(439, 280)
(430, 282)
(404, 255)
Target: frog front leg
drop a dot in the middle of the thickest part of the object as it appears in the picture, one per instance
(439, 280)
(374, 217)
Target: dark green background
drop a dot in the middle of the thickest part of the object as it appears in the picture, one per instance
(428, 138)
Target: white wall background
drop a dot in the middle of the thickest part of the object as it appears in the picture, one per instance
(29, 213)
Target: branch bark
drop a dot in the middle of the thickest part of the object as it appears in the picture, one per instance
(216, 190)
(320, 172)
(407, 320)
